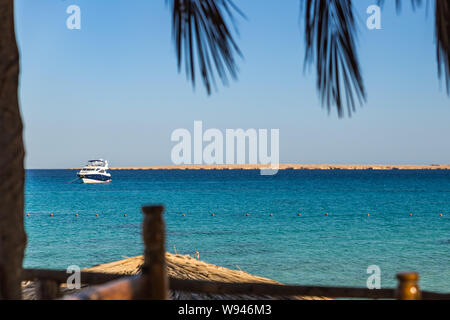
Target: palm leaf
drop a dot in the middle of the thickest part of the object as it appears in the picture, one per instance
(442, 34)
(443, 40)
(398, 4)
(201, 33)
(330, 36)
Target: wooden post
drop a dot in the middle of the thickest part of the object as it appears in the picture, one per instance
(154, 271)
(408, 286)
(47, 289)
(13, 239)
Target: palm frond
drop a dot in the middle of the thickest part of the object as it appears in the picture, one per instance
(398, 4)
(201, 33)
(442, 34)
(443, 41)
(330, 36)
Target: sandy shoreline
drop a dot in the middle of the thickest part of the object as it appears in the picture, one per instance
(180, 267)
(287, 167)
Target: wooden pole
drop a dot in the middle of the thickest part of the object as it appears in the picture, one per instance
(131, 288)
(126, 288)
(47, 289)
(12, 174)
(60, 276)
(408, 286)
(275, 290)
(154, 272)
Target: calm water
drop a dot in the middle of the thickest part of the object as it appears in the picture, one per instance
(311, 249)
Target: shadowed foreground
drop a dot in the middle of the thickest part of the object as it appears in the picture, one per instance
(180, 267)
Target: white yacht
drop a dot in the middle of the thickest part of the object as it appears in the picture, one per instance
(96, 171)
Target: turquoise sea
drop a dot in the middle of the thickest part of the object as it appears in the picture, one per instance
(308, 249)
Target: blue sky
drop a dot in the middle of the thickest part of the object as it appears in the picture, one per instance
(112, 88)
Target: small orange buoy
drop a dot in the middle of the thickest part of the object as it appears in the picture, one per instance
(368, 214)
(28, 214)
(184, 215)
(441, 215)
(76, 214)
(299, 214)
(213, 215)
(271, 214)
(246, 214)
(326, 214)
(125, 215)
(51, 214)
(96, 214)
(410, 214)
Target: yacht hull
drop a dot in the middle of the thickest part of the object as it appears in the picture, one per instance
(86, 180)
(95, 178)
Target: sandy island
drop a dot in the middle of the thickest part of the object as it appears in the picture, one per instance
(181, 267)
(290, 167)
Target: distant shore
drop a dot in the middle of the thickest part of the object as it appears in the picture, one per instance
(288, 167)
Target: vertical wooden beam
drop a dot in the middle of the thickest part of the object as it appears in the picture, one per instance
(154, 271)
(12, 174)
(408, 286)
(47, 289)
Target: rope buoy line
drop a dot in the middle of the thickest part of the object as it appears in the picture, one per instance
(213, 215)
(76, 215)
